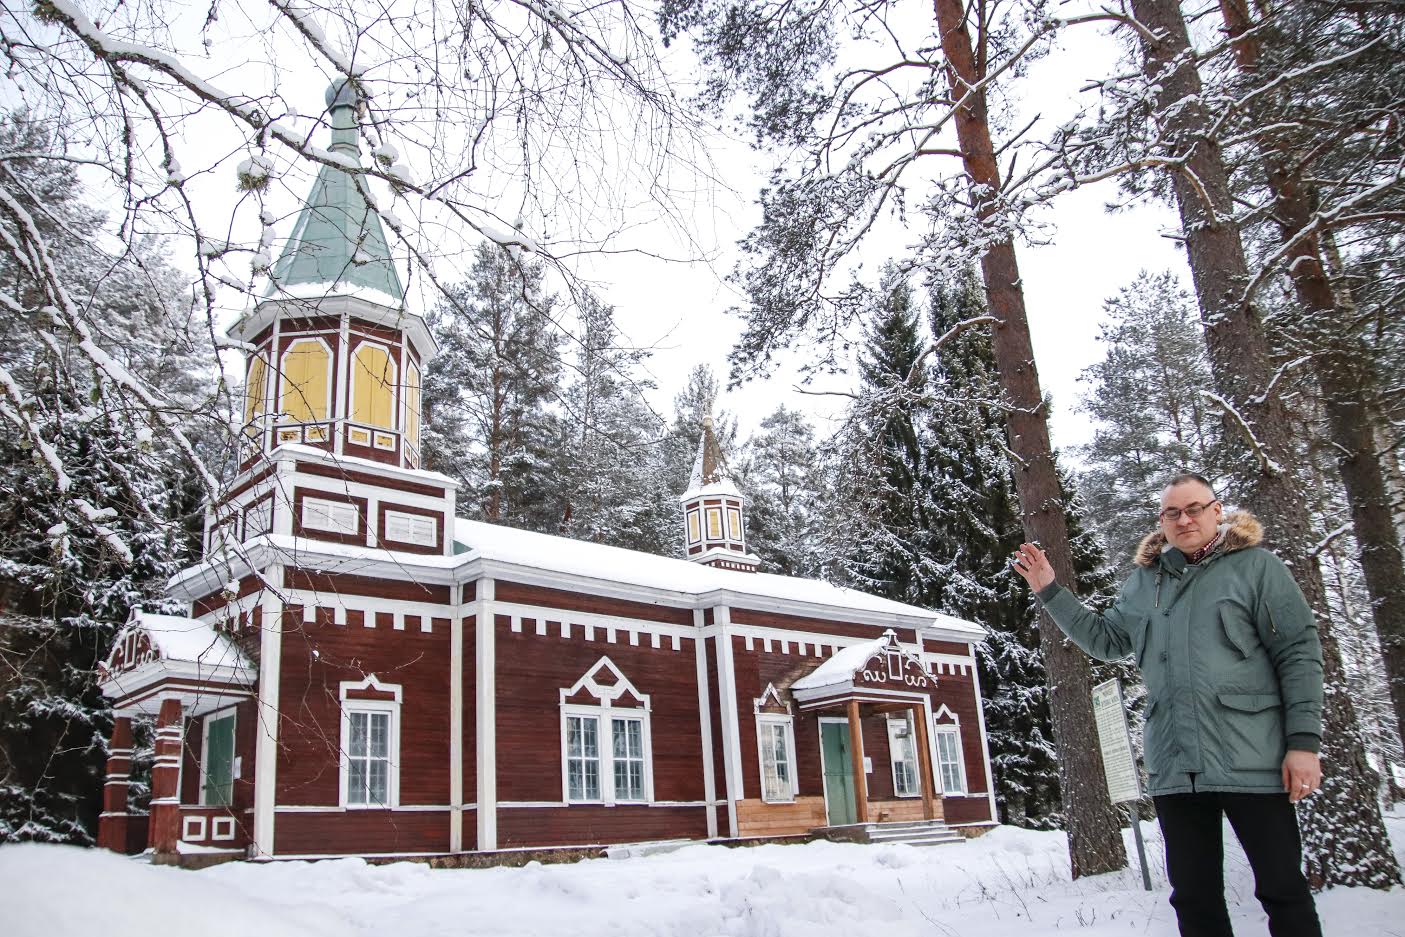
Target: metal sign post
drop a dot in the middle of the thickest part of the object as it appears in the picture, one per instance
(1119, 764)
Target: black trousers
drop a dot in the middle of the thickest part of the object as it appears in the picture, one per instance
(1267, 827)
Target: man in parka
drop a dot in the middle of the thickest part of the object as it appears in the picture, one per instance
(1233, 668)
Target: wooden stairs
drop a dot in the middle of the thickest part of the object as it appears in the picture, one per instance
(910, 832)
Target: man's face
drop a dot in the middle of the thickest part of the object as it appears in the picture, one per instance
(1188, 533)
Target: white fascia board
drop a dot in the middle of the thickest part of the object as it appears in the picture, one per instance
(336, 302)
(269, 549)
(298, 452)
(820, 610)
(573, 582)
(819, 692)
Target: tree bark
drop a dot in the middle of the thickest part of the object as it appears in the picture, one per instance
(1094, 829)
(1344, 374)
(1344, 837)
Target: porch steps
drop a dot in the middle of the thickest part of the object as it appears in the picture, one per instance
(911, 833)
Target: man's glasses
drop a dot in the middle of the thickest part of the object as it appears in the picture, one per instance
(1190, 510)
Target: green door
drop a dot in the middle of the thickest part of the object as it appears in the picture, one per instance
(219, 762)
(838, 772)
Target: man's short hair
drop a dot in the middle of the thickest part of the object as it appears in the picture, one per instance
(1185, 477)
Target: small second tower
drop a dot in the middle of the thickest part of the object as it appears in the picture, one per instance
(714, 510)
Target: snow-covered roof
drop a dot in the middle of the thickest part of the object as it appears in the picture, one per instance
(303, 451)
(187, 640)
(840, 667)
(615, 564)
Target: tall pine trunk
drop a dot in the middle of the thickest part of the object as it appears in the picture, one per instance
(1344, 837)
(1094, 834)
(1344, 374)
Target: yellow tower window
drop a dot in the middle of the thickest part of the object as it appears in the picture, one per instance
(255, 388)
(306, 381)
(373, 387)
(411, 403)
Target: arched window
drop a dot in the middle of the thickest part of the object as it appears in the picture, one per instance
(255, 389)
(411, 403)
(306, 381)
(373, 386)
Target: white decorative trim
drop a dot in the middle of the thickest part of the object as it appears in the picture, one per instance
(266, 728)
(771, 692)
(329, 412)
(727, 702)
(485, 708)
(221, 829)
(985, 746)
(602, 692)
(705, 719)
(192, 829)
(355, 380)
(456, 729)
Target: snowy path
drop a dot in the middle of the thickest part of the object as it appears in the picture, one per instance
(1008, 882)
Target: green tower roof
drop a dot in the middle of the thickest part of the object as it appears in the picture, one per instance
(338, 240)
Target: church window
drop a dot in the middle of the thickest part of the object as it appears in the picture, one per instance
(306, 381)
(734, 523)
(714, 523)
(694, 528)
(373, 386)
(949, 761)
(904, 754)
(606, 752)
(370, 745)
(776, 739)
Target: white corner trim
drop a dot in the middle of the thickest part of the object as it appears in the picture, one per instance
(266, 729)
(727, 699)
(705, 718)
(486, 712)
(456, 727)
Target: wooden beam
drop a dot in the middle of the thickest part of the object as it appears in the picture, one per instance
(856, 756)
(924, 762)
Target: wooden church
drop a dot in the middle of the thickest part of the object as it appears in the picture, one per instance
(361, 672)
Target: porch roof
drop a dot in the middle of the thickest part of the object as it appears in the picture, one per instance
(157, 657)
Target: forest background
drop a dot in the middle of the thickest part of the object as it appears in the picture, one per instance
(894, 131)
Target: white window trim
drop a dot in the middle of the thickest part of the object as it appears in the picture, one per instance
(895, 722)
(708, 514)
(233, 713)
(348, 706)
(604, 713)
(694, 522)
(953, 727)
(404, 403)
(282, 378)
(734, 531)
(764, 719)
(392, 383)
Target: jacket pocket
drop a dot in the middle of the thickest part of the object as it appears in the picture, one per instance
(1251, 730)
(1239, 628)
(1141, 638)
(1154, 740)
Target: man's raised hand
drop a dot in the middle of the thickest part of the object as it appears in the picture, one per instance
(1031, 563)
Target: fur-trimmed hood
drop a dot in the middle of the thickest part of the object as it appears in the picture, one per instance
(1241, 531)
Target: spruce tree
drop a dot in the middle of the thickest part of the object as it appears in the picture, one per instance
(786, 505)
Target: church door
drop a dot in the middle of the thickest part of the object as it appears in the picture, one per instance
(838, 771)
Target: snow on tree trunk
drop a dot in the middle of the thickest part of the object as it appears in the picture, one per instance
(1344, 837)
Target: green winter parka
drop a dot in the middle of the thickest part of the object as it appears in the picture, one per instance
(1229, 651)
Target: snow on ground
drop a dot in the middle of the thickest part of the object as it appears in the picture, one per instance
(1009, 882)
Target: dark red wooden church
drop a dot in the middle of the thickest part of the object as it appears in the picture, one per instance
(363, 673)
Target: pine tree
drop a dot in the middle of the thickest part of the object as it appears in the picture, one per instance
(1149, 418)
(491, 397)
